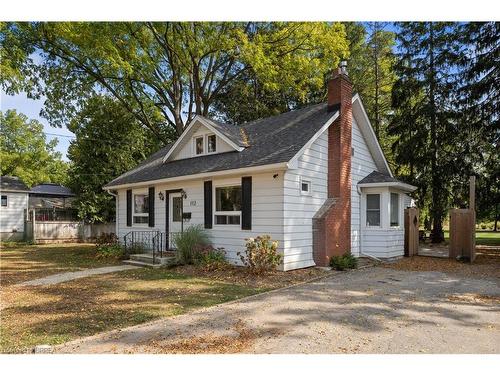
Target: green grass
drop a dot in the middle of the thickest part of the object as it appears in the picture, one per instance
(489, 238)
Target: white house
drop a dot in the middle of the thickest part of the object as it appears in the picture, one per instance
(315, 179)
(14, 196)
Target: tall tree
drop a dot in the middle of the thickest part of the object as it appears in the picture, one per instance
(166, 73)
(480, 101)
(109, 141)
(26, 153)
(425, 120)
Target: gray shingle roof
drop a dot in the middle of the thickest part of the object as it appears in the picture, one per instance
(271, 140)
(377, 177)
(10, 183)
(51, 189)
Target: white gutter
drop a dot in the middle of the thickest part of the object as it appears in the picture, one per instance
(206, 175)
(400, 185)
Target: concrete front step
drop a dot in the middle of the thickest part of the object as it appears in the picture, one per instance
(147, 259)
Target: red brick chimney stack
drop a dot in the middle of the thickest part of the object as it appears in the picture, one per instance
(332, 231)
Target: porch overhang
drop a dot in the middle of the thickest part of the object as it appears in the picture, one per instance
(394, 184)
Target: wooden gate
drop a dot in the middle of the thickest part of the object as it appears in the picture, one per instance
(411, 232)
(463, 234)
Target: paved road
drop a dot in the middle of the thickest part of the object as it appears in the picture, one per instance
(375, 310)
(67, 276)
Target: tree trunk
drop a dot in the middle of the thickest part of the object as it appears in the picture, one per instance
(495, 228)
(437, 219)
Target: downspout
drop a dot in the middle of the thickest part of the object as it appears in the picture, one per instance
(360, 231)
(116, 210)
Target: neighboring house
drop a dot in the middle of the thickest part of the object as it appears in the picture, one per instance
(14, 196)
(51, 195)
(50, 202)
(315, 179)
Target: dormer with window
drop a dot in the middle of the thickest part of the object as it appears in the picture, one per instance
(204, 137)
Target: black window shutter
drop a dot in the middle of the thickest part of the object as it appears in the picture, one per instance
(246, 203)
(208, 204)
(151, 197)
(129, 208)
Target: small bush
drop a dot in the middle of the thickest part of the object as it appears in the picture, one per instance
(188, 241)
(106, 239)
(110, 251)
(261, 254)
(343, 262)
(210, 258)
(137, 248)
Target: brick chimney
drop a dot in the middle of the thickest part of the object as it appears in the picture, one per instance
(332, 223)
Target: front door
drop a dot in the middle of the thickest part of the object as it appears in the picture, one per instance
(175, 213)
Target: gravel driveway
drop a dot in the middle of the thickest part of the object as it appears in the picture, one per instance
(375, 310)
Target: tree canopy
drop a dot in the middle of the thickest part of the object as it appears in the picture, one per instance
(26, 153)
(165, 73)
(109, 141)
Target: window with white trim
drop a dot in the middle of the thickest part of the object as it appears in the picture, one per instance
(211, 143)
(4, 201)
(141, 208)
(228, 205)
(373, 210)
(305, 187)
(198, 145)
(394, 210)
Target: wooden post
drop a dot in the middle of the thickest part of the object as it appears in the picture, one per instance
(472, 192)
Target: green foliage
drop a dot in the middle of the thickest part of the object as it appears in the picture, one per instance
(261, 254)
(371, 71)
(210, 258)
(109, 141)
(343, 262)
(187, 243)
(25, 152)
(425, 119)
(107, 246)
(158, 70)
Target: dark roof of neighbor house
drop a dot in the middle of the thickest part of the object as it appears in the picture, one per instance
(51, 189)
(12, 183)
(377, 177)
(271, 140)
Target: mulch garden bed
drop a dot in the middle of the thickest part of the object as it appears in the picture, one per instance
(486, 265)
(243, 275)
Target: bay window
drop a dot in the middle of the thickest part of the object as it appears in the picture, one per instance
(228, 205)
(394, 210)
(373, 210)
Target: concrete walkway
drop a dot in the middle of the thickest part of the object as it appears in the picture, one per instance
(68, 276)
(375, 310)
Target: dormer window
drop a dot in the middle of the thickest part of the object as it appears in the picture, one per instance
(211, 143)
(198, 145)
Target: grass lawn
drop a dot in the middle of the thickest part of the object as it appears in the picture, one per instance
(59, 313)
(488, 238)
(20, 262)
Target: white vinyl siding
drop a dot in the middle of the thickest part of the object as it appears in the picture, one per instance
(187, 149)
(362, 164)
(12, 215)
(299, 208)
(267, 211)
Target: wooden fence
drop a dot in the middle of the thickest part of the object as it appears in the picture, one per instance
(65, 231)
(411, 232)
(462, 234)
